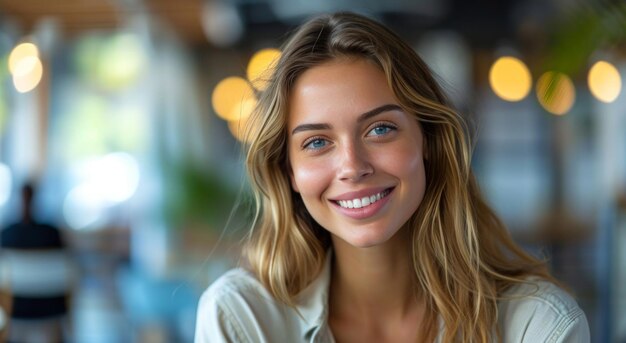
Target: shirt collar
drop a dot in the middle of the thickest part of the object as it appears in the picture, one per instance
(312, 302)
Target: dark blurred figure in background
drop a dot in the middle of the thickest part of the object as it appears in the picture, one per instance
(38, 275)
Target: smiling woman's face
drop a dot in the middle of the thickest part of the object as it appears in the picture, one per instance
(356, 157)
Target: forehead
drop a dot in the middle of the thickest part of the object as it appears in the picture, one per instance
(339, 86)
(345, 70)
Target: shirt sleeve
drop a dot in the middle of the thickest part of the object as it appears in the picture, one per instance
(236, 308)
(215, 323)
(575, 330)
(545, 315)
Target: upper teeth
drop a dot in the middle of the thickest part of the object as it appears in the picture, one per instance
(362, 202)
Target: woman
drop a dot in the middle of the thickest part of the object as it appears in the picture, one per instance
(370, 226)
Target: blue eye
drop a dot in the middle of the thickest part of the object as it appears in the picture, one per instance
(316, 144)
(380, 130)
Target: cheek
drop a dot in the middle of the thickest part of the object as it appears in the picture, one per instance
(408, 165)
(415, 166)
(406, 161)
(308, 179)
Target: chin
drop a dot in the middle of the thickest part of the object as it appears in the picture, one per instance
(366, 241)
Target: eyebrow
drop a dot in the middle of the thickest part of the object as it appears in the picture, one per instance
(371, 113)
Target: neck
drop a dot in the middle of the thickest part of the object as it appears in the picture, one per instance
(374, 280)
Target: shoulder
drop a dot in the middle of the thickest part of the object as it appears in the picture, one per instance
(539, 311)
(7, 234)
(236, 307)
(31, 236)
(235, 288)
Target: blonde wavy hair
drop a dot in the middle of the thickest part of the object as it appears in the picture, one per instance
(463, 256)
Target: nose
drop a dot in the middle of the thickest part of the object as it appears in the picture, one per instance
(354, 163)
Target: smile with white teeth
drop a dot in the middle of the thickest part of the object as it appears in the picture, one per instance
(362, 202)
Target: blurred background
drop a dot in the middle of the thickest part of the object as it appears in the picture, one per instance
(125, 113)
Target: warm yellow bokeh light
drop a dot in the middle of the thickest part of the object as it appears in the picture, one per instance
(27, 74)
(241, 113)
(510, 79)
(555, 92)
(236, 128)
(19, 53)
(261, 66)
(243, 109)
(228, 94)
(605, 82)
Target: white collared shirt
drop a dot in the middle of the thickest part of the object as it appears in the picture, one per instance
(237, 308)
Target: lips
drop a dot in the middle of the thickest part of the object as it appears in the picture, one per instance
(360, 202)
(365, 204)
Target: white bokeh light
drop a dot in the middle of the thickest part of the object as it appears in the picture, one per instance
(103, 182)
(117, 175)
(83, 207)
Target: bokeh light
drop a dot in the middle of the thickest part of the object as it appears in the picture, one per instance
(121, 61)
(510, 79)
(27, 73)
(242, 112)
(243, 109)
(605, 82)
(20, 52)
(113, 62)
(103, 182)
(82, 207)
(228, 94)
(555, 92)
(237, 129)
(117, 175)
(261, 66)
